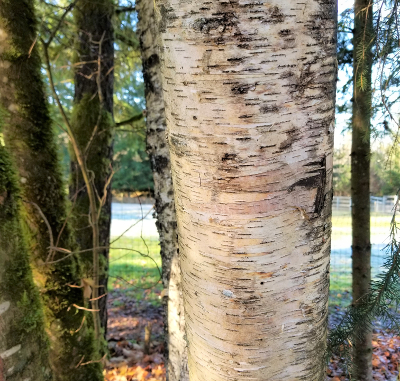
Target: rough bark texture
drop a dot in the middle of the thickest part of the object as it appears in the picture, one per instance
(24, 346)
(249, 90)
(360, 178)
(28, 134)
(157, 148)
(94, 107)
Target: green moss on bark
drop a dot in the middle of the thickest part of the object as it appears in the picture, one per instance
(23, 322)
(29, 136)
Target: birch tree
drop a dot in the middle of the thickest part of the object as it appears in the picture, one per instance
(249, 91)
(157, 148)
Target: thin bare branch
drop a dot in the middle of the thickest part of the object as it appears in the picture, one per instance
(47, 224)
(131, 120)
(85, 309)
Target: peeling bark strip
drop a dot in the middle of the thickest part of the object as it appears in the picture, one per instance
(249, 89)
(157, 148)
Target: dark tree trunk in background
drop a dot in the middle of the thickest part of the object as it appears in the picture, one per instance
(157, 148)
(24, 347)
(92, 120)
(29, 136)
(360, 177)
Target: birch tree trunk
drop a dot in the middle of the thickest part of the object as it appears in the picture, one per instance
(360, 178)
(28, 134)
(92, 121)
(24, 346)
(249, 89)
(157, 148)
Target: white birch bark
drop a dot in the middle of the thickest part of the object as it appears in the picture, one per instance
(249, 88)
(157, 148)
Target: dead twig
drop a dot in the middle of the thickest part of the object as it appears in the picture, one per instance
(80, 327)
(46, 221)
(84, 308)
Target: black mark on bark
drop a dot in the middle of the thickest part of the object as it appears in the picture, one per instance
(317, 181)
(229, 156)
(274, 16)
(151, 61)
(221, 22)
(269, 109)
(243, 89)
(306, 182)
(160, 163)
(148, 64)
(165, 16)
(238, 59)
(320, 198)
(243, 139)
(285, 32)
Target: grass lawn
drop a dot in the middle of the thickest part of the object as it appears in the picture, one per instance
(135, 267)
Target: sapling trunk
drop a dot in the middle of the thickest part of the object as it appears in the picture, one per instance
(360, 179)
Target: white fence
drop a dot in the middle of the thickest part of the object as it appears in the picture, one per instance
(383, 204)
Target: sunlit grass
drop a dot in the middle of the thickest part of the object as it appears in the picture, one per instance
(342, 221)
(135, 267)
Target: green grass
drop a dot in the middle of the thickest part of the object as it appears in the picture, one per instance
(340, 287)
(135, 267)
(341, 220)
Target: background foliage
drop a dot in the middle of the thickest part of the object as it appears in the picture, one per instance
(132, 165)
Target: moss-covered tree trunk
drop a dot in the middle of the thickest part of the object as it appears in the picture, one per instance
(92, 121)
(157, 148)
(24, 346)
(28, 134)
(360, 173)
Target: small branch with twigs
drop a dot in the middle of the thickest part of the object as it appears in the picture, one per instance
(81, 159)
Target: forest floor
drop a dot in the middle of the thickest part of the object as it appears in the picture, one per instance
(126, 331)
(127, 322)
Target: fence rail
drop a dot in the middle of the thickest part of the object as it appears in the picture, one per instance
(382, 204)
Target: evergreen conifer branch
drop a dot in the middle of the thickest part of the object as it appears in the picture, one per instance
(380, 303)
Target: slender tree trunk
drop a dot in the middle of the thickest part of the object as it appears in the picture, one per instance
(28, 134)
(157, 148)
(24, 346)
(249, 89)
(92, 124)
(360, 178)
